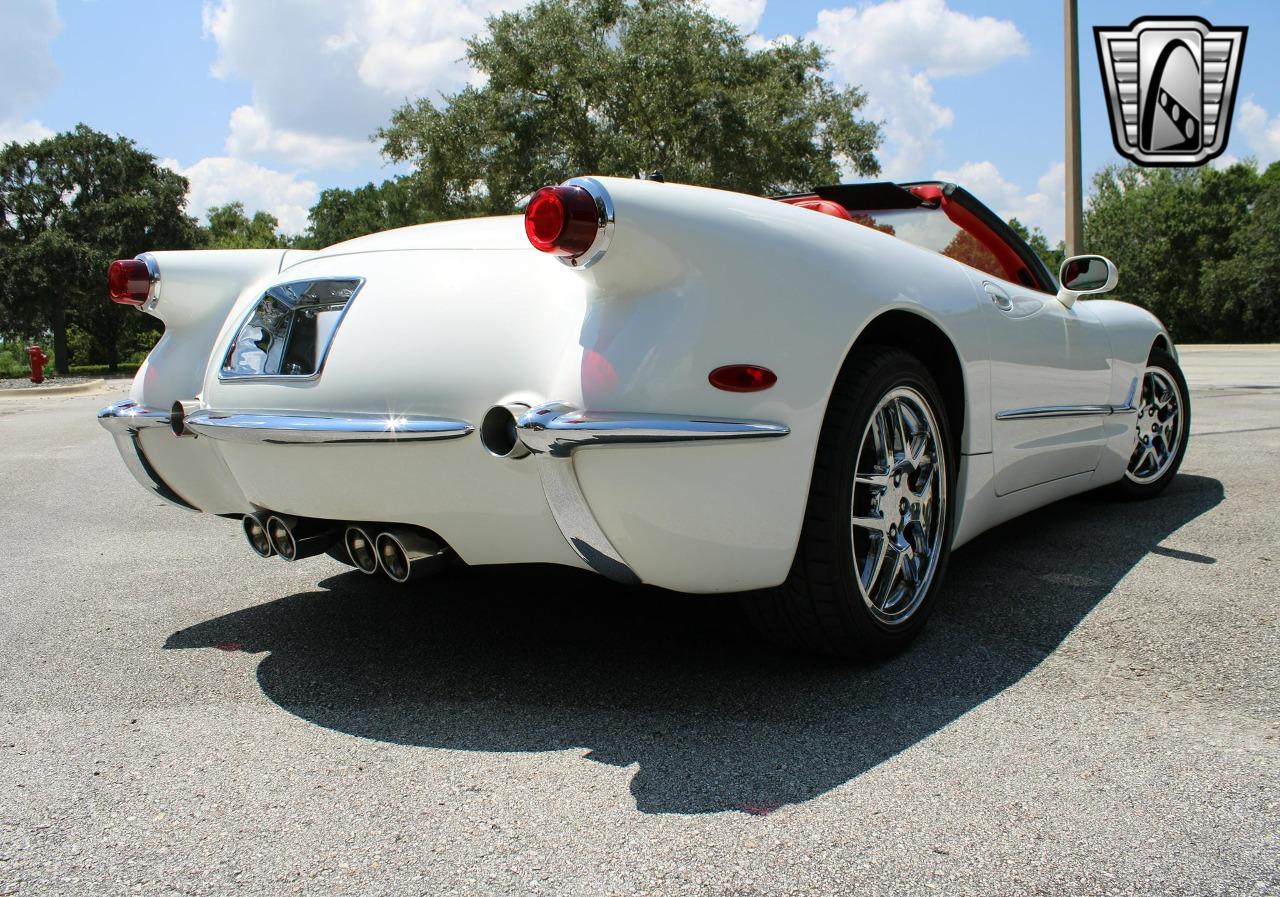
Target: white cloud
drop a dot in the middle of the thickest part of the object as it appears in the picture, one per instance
(896, 49)
(219, 180)
(21, 131)
(325, 76)
(1042, 208)
(1261, 133)
(29, 70)
(743, 13)
(26, 28)
(253, 137)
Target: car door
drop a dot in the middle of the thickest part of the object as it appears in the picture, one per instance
(1050, 383)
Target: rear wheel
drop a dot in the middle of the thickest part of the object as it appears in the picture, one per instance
(1163, 425)
(877, 530)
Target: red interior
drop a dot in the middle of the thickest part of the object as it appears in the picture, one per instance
(959, 216)
(967, 221)
(825, 206)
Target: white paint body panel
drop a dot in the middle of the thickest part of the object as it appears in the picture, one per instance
(1043, 353)
(454, 318)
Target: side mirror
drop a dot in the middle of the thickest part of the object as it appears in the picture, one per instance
(1086, 275)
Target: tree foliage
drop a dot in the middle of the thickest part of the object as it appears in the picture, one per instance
(618, 87)
(230, 228)
(1052, 256)
(69, 205)
(1195, 246)
(1241, 293)
(965, 247)
(344, 214)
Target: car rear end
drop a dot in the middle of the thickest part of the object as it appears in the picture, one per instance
(629, 379)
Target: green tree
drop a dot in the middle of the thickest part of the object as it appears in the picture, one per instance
(69, 205)
(343, 214)
(1052, 256)
(1241, 293)
(230, 228)
(1165, 227)
(617, 87)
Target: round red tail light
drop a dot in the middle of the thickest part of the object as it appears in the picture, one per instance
(129, 281)
(742, 378)
(562, 220)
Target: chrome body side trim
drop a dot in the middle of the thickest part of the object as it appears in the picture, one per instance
(554, 431)
(604, 209)
(124, 420)
(295, 428)
(558, 429)
(1064, 411)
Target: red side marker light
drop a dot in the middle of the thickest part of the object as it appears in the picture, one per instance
(129, 281)
(742, 378)
(562, 220)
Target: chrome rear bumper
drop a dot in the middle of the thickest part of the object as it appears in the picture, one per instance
(124, 420)
(553, 432)
(292, 428)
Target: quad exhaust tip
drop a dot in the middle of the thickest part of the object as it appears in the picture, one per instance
(282, 540)
(400, 553)
(295, 539)
(255, 533)
(405, 554)
(361, 549)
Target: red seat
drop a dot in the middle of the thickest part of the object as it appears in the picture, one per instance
(825, 206)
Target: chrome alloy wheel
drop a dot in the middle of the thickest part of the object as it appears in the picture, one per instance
(1159, 427)
(899, 506)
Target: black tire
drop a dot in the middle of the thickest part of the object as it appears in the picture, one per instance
(1130, 488)
(820, 608)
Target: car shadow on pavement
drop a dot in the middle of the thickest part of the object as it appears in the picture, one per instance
(541, 658)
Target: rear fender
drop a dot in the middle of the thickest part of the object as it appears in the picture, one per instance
(195, 291)
(694, 279)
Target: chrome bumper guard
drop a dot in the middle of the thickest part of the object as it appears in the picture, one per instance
(124, 421)
(556, 430)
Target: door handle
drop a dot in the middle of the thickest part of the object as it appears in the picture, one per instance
(998, 296)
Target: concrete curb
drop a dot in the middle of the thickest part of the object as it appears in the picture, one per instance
(38, 392)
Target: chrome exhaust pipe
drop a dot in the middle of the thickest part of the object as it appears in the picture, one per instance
(360, 548)
(255, 533)
(178, 416)
(499, 434)
(405, 554)
(295, 539)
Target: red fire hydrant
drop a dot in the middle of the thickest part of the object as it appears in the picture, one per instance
(38, 361)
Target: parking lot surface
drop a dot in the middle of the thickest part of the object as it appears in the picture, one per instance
(1093, 709)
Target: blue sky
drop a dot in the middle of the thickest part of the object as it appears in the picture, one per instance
(270, 101)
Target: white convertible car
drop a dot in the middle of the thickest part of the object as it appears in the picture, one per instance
(812, 399)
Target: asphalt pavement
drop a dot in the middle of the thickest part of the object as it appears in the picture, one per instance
(1093, 710)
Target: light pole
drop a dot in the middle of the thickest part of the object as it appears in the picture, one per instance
(1074, 198)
